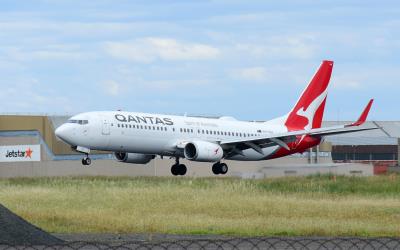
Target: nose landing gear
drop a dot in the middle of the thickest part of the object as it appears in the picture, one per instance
(86, 160)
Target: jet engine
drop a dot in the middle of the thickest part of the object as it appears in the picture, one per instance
(133, 157)
(203, 151)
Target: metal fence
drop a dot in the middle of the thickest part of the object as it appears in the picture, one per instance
(234, 243)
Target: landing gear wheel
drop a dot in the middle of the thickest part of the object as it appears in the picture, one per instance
(223, 168)
(215, 168)
(175, 169)
(178, 169)
(182, 169)
(86, 161)
(219, 168)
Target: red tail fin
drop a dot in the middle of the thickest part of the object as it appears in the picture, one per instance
(309, 109)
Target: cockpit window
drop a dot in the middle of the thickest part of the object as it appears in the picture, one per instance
(80, 122)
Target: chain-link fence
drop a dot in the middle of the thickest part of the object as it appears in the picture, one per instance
(234, 243)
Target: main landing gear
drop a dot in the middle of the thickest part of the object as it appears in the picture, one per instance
(178, 169)
(220, 168)
(86, 160)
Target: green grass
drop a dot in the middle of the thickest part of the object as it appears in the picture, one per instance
(315, 205)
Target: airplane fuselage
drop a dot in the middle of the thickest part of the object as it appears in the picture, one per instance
(157, 134)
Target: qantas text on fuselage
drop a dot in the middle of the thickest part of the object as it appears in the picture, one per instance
(138, 137)
(144, 119)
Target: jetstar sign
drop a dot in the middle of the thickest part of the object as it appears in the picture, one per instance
(19, 153)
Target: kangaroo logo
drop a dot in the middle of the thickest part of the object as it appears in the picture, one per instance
(309, 113)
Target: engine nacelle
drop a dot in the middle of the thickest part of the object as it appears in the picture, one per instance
(133, 157)
(203, 151)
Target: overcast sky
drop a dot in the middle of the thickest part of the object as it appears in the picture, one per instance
(247, 59)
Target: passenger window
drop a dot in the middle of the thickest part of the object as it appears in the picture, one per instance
(118, 125)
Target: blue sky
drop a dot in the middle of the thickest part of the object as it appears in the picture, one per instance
(247, 59)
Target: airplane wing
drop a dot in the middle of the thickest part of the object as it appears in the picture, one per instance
(282, 139)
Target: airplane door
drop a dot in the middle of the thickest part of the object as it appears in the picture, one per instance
(106, 126)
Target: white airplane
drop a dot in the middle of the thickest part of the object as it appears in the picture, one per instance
(140, 137)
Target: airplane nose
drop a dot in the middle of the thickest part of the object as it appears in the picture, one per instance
(61, 132)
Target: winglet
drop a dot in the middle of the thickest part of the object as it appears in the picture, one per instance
(363, 116)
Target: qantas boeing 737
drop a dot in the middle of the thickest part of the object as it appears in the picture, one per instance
(139, 137)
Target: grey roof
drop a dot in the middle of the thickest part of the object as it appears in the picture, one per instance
(338, 140)
(387, 133)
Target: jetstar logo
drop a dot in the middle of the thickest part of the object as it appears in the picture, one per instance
(216, 151)
(144, 119)
(19, 154)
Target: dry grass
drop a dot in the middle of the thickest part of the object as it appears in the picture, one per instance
(208, 206)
